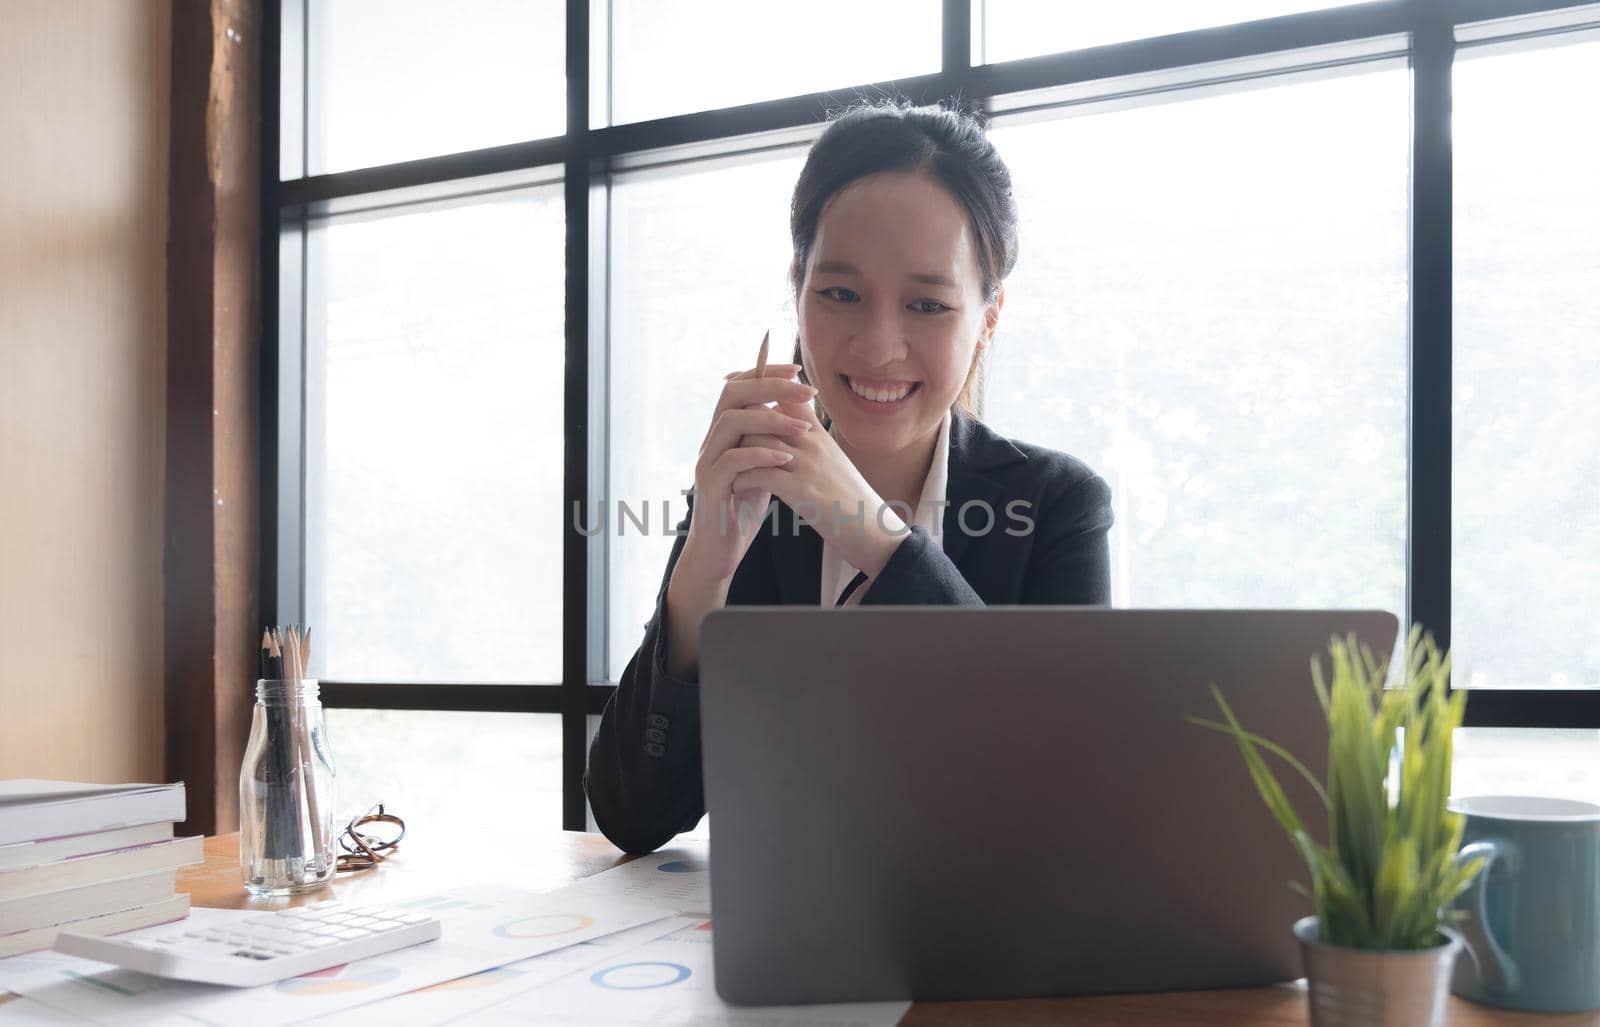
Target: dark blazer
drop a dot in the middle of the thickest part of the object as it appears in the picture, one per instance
(644, 781)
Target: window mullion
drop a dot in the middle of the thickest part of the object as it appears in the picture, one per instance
(1428, 537)
(575, 545)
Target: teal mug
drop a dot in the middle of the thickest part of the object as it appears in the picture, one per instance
(1531, 918)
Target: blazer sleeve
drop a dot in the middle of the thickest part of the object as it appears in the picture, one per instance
(1069, 561)
(919, 574)
(643, 779)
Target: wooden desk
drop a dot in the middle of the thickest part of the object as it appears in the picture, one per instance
(543, 861)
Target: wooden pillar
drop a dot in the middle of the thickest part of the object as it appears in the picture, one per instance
(212, 510)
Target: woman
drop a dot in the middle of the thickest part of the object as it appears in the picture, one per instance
(888, 488)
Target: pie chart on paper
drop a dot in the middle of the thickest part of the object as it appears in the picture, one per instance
(339, 980)
(682, 866)
(544, 926)
(641, 976)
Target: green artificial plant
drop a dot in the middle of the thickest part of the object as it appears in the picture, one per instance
(1391, 865)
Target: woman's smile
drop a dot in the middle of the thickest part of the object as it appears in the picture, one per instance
(881, 394)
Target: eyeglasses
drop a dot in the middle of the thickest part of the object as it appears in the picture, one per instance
(364, 850)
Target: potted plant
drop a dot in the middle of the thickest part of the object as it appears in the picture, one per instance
(1378, 949)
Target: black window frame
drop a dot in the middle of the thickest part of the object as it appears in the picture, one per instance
(588, 156)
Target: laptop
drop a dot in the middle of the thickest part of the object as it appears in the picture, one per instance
(966, 803)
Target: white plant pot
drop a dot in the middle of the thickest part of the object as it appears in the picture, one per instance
(1373, 988)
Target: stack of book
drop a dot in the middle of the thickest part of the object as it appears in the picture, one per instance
(95, 859)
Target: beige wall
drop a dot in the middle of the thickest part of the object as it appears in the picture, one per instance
(83, 179)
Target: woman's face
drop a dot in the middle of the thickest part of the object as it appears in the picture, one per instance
(891, 306)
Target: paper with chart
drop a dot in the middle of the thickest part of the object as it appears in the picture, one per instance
(461, 998)
(44, 966)
(485, 926)
(668, 981)
(677, 879)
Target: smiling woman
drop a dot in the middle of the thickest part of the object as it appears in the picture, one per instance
(865, 455)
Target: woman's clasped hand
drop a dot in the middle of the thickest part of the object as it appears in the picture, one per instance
(754, 452)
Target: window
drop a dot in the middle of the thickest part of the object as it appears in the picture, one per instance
(1562, 763)
(419, 763)
(395, 80)
(699, 272)
(1007, 30)
(433, 442)
(1231, 301)
(1527, 371)
(1210, 309)
(681, 56)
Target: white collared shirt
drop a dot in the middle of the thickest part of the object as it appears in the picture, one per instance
(929, 515)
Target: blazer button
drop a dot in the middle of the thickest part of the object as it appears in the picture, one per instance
(652, 735)
(657, 720)
(655, 749)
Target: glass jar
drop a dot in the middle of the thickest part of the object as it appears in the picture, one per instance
(286, 793)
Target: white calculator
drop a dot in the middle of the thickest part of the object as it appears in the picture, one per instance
(263, 949)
